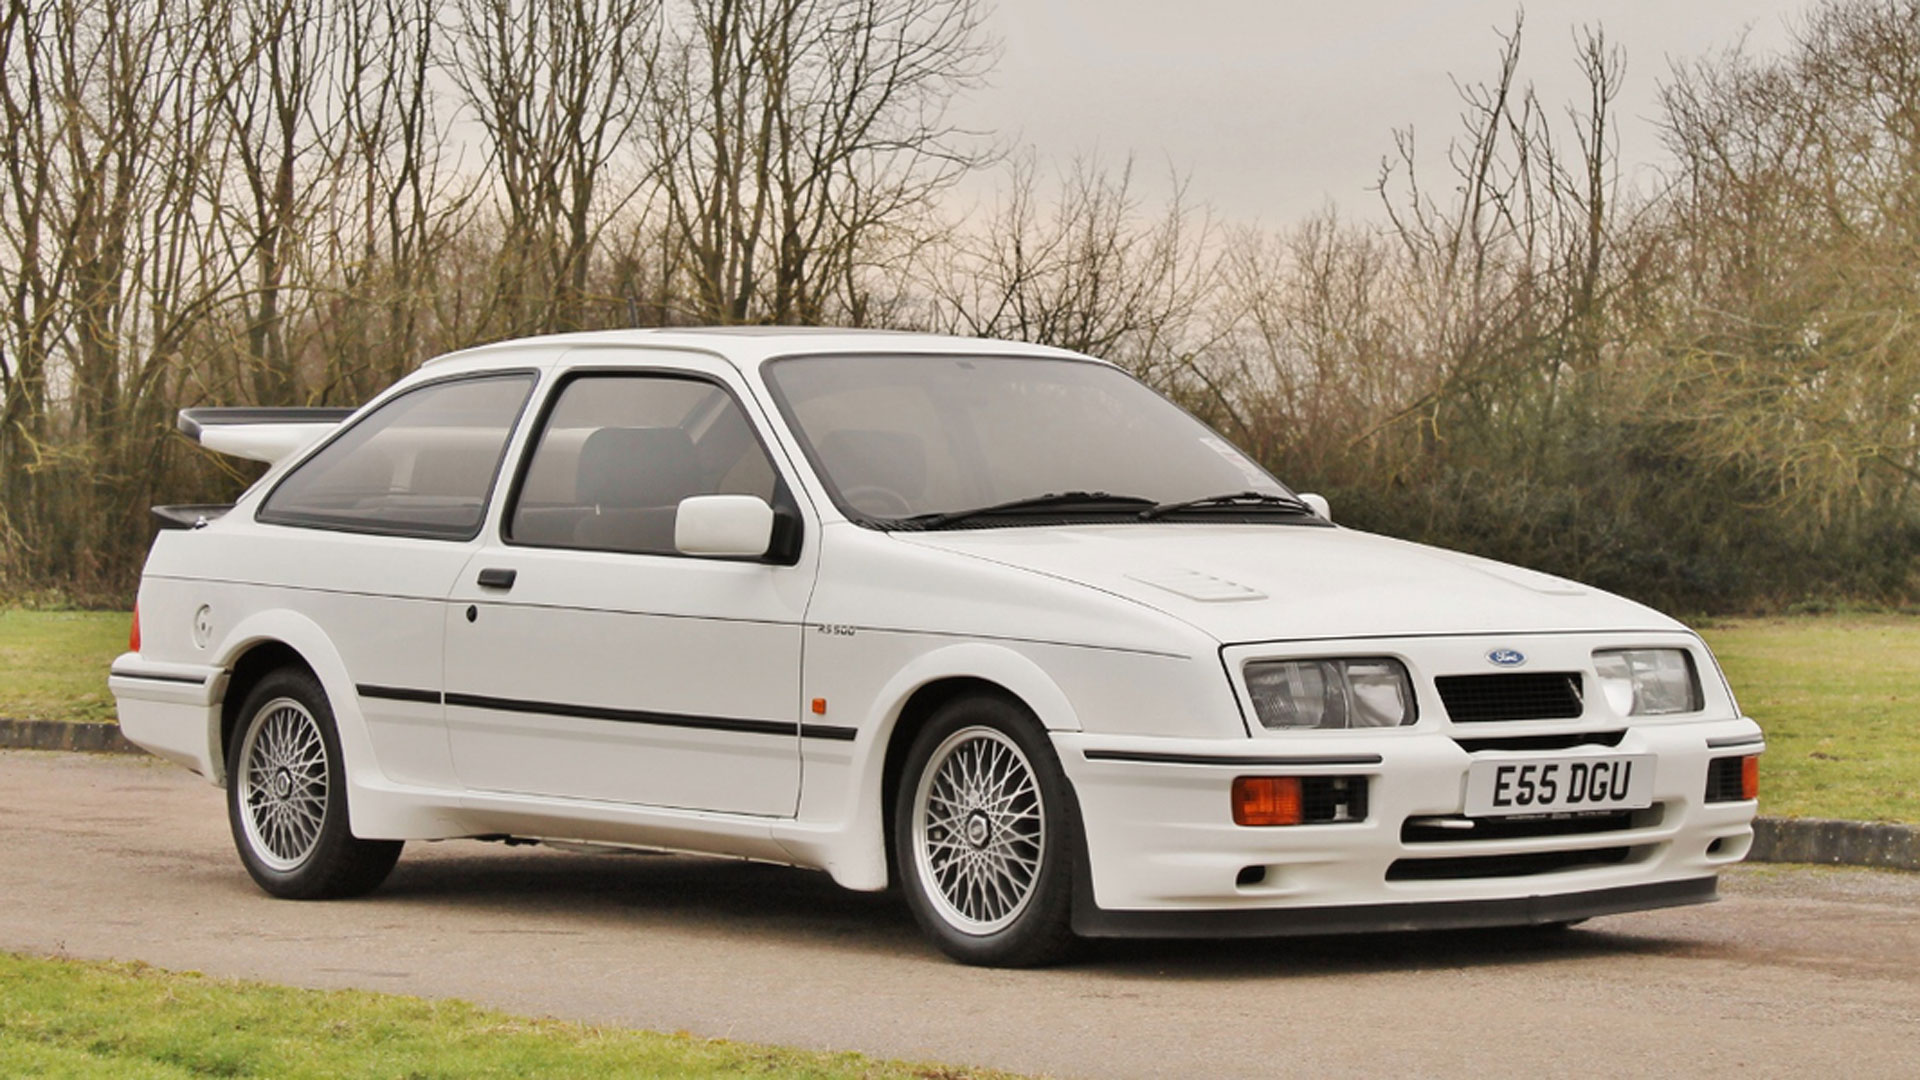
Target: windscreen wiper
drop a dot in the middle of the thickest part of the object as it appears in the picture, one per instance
(1054, 500)
(1238, 500)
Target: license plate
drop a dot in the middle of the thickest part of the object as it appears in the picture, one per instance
(1512, 786)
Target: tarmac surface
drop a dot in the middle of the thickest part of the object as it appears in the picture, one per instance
(1797, 971)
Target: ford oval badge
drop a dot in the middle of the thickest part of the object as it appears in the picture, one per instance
(1506, 657)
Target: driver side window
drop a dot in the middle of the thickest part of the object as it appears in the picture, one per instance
(618, 452)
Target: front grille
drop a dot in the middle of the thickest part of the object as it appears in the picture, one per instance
(1565, 741)
(1457, 829)
(1723, 780)
(1502, 866)
(1479, 699)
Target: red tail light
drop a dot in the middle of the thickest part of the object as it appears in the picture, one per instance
(133, 635)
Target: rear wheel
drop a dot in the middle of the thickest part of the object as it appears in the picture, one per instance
(287, 796)
(984, 837)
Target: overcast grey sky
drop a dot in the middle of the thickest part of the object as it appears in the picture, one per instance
(1274, 107)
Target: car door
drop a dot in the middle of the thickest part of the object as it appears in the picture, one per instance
(366, 536)
(585, 657)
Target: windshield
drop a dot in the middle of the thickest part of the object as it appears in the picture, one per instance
(898, 438)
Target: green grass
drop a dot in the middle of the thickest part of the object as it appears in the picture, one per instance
(53, 664)
(1839, 697)
(63, 1018)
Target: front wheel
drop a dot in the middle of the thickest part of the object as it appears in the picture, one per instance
(984, 838)
(287, 797)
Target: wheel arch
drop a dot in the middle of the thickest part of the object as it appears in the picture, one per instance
(255, 661)
(1042, 933)
(864, 857)
(915, 712)
(269, 640)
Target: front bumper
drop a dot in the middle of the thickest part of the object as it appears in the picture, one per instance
(1163, 853)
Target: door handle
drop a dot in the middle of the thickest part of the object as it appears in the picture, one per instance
(497, 577)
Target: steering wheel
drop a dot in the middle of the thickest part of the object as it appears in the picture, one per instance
(864, 496)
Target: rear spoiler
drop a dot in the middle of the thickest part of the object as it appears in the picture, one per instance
(259, 434)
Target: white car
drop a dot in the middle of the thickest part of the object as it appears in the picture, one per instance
(990, 620)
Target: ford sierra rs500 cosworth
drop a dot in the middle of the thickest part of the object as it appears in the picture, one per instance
(992, 621)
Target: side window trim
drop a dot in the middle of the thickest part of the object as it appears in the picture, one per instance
(265, 516)
(789, 528)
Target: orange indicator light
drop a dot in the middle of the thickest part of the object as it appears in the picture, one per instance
(1750, 777)
(819, 706)
(1266, 800)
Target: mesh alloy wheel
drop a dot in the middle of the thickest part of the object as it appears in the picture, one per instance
(979, 830)
(287, 800)
(283, 784)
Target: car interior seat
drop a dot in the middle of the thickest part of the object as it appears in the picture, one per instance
(631, 481)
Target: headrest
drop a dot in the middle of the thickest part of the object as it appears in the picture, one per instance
(627, 468)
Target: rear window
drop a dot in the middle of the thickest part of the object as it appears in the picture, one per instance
(422, 464)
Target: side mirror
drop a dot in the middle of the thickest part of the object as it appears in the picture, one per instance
(723, 526)
(1318, 503)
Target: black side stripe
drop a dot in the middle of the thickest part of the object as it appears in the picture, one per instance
(1153, 758)
(828, 732)
(187, 680)
(624, 716)
(658, 719)
(399, 693)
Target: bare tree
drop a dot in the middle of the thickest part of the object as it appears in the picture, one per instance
(1083, 267)
(1319, 353)
(1797, 210)
(106, 265)
(32, 271)
(556, 88)
(395, 206)
(801, 139)
(1512, 279)
(267, 59)
(268, 200)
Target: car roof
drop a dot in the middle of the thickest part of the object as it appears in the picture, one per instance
(748, 346)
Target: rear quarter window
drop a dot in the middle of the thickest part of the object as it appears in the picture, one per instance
(422, 464)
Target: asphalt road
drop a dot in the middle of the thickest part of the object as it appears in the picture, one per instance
(1797, 972)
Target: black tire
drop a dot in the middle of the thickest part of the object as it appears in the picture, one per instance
(288, 807)
(1024, 840)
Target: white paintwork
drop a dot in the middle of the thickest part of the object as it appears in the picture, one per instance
(1162, 843)
(723, 525)
(267, 442)
(1122, 639)
(1195, 585)
(654, 633)
(1315, 583)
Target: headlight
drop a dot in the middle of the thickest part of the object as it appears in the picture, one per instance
(1648, 682)
(1364, 693)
